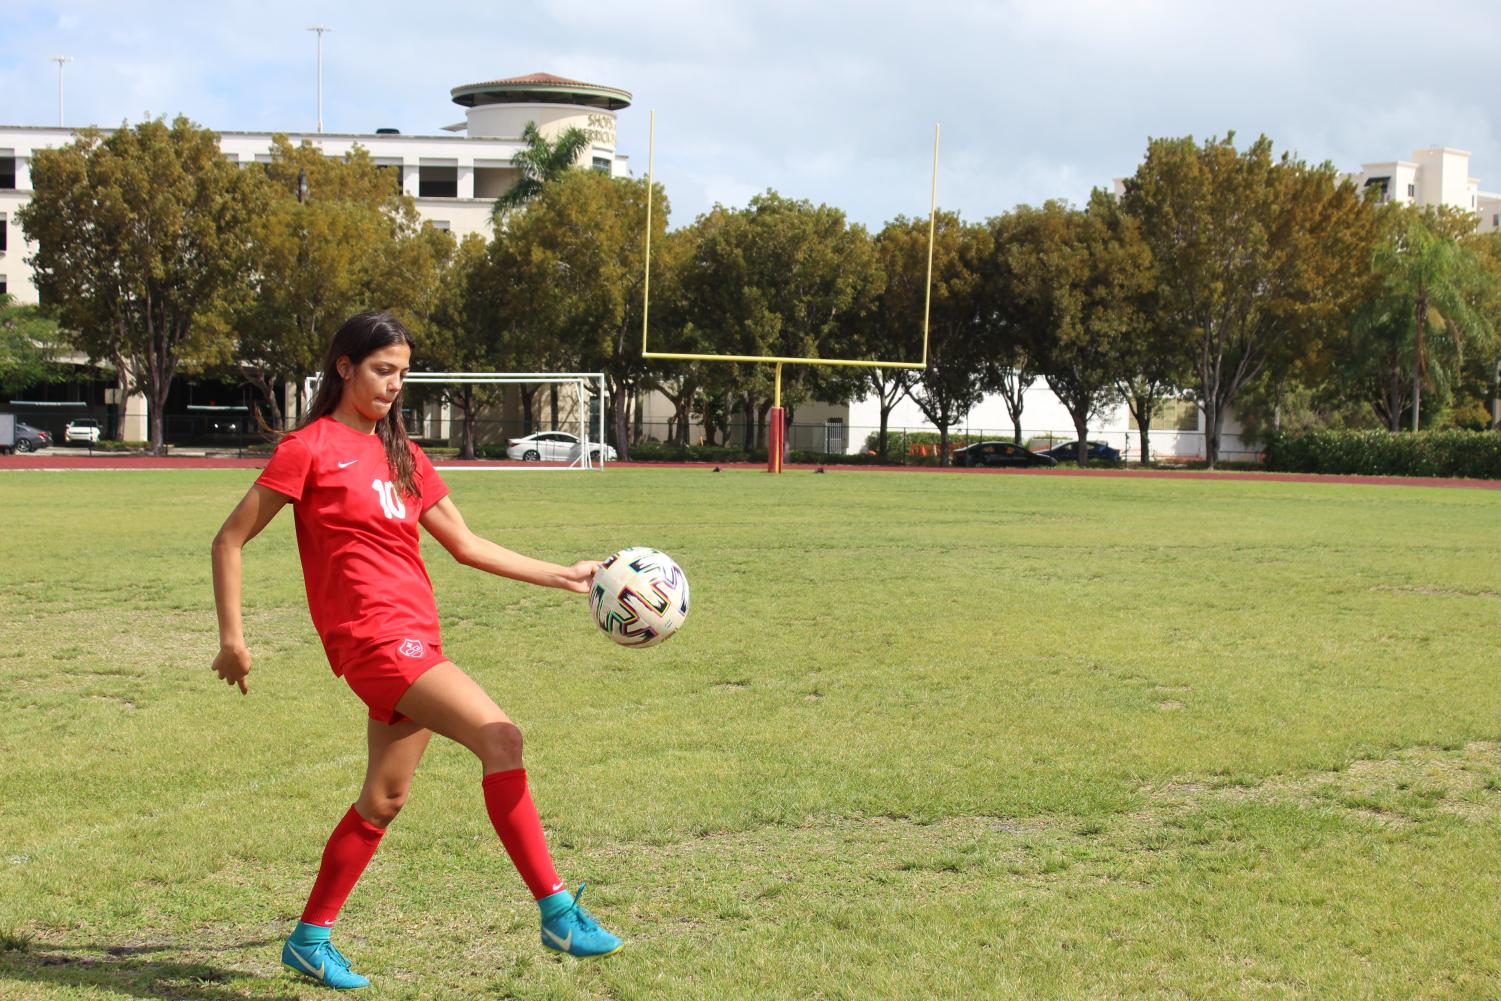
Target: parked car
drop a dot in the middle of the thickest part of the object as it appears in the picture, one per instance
(29, 439)
(553, 446)
(1069, 452)
(1000, 453)
(84, 429)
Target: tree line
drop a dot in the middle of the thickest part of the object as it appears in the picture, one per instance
(1238, 278)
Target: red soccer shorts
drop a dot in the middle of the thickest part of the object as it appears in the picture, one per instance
(381, 673)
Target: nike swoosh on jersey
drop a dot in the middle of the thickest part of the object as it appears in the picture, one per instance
(561, 943)
(345, 465)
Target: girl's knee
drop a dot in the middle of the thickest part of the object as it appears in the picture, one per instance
(499, 745)
(381, 806)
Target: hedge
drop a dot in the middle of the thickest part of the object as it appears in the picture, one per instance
(1471, 454)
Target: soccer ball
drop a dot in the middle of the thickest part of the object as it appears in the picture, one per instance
(639, 597)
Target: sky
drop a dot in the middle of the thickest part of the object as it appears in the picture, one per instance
(833, 102)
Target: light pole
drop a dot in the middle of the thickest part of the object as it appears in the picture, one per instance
(60, 60)
(321, 29)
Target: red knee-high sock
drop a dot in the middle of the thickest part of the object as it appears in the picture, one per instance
(509, 803)
(345, 856)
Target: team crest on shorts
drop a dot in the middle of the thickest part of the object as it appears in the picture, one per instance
(410, 648)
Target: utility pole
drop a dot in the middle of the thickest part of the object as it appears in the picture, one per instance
(60, 60)
(321, 29)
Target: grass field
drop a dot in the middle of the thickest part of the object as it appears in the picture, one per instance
(923, 736)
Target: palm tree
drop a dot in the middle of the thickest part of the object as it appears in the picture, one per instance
(1430, 281)
(540, 163)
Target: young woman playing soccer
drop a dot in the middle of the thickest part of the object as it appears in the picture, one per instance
(359, 489)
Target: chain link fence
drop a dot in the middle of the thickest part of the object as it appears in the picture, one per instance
(237, 433)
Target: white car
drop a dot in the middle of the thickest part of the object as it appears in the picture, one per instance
(552, 446)
(84, 429)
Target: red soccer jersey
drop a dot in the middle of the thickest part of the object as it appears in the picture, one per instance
(357, 536)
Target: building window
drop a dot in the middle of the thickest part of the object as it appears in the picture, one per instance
(1412, 191)
(4, 234)
(602, 164)
(440, 224)
(1378, 186)
(1172, 415)
(2, 284)
(437, 182)
(391, 171)
(7, 173)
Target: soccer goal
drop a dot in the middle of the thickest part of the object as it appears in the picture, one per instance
(587, 452)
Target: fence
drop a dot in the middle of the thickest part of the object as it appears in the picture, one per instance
(238, 433)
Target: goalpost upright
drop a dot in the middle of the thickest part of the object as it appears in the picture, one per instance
(777, 423)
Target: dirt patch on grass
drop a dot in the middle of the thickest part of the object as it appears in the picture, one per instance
(1406, 787)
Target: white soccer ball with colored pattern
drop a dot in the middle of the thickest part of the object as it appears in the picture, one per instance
(639, 597)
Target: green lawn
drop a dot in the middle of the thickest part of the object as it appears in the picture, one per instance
(923, 736)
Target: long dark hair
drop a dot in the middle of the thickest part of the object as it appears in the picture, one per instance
(361, 335)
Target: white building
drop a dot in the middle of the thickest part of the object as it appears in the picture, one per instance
(1439, 175)
(454, 177)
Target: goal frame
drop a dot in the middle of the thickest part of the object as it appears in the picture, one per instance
(581, 382)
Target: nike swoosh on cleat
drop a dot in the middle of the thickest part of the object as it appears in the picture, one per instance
(345, 465)
(319, 971)
(562, 943)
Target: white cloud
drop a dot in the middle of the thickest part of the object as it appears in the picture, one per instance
(833, 101)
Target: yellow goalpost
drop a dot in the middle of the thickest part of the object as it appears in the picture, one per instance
(778, 429)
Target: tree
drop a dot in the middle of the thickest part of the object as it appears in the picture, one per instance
(1428, 279)
(572, 267)
(1257, 258)
(675, 328)
(540, 163)
(954, 380)
(1010, 368)
(785, 278)
(895, 333)
(1412, 333)
(1487, 250)
(329, 237)
(29, 343)
(1156, 361)
(457, 335)
(1076, 280)
(141, 235)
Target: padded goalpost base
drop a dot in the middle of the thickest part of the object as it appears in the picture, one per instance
(775, 439)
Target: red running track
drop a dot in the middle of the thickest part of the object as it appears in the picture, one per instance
(148, 462)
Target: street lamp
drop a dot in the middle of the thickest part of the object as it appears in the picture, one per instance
(60, 60)
(321, 29)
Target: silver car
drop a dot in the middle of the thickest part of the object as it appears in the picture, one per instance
(553, 446)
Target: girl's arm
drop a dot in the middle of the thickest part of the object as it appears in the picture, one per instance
(445, 524)
(244, 523)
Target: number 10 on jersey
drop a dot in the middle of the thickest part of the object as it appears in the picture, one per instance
(390, 500)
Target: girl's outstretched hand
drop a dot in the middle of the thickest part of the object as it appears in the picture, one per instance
(232, 664)
(579, 577)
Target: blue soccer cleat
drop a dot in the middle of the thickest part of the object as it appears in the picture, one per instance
(569, 928)
(323, 963)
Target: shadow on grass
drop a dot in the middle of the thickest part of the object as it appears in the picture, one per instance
(141, 971)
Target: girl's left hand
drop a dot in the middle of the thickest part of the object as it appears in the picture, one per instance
(579, 577)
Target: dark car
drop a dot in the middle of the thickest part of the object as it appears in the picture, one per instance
(29, 439)
(1000, 453)
(1069, 452)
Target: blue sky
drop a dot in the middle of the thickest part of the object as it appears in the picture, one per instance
(830, 101)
